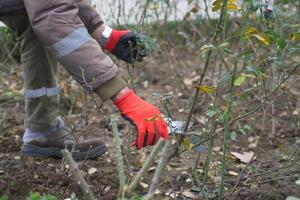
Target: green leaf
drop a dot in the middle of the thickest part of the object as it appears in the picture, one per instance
(211, 113)
(223, 117)
(4, 197)
(239, 81)
(245, 95)
(279, 41)
(254, 5)
(251, 70)
(187, 144)
(233, 135)
(281, 44)
(34, 196)
(298, 182)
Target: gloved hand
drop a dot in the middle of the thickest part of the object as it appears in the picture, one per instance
(124, 45)
(146, 117)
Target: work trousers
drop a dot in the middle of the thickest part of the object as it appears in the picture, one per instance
(59, 31)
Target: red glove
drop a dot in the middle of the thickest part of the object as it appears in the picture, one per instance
(124, 45)
(146, 117)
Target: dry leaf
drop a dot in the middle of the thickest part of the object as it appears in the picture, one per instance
(263, 38)
(157, 191)
(217, 148)
(244, 157)
(206, 89)
(151, 169)
(189, 195)
(232, 173)
(144, 185)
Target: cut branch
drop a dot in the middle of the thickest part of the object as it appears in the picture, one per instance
(146, 166)
(160, 167)
(89, 195)
(120, 160)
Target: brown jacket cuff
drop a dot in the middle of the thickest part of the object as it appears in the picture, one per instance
(110, 88)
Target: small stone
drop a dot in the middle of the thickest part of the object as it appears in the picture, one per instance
(188, 180)
(92, 171)
(181, 110)
(17, 158)
(106, 189)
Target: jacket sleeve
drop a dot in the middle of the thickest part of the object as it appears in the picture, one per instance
(88, 15)
(59, 27)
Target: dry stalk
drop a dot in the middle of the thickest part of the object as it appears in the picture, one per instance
(77, 174)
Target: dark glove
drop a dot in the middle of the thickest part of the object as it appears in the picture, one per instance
(125, 45)
(146, 117)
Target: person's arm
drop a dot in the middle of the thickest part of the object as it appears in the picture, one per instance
(121, 43)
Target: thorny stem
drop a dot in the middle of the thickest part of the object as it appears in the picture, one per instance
(159, 169)
(211, 143)
(146, 166)
(207, 61)
(120, 160)
(89, 195)
(226, 128)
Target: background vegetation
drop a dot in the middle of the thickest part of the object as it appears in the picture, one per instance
(230, 68)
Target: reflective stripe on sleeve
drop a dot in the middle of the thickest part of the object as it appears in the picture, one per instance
(70, 43)
(39, 92)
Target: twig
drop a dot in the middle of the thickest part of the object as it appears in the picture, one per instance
(146, 166)
(272, 179)
(120, 160)
(89, 195)
(267, 97)
(160, 167)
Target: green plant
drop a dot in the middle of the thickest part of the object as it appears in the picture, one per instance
(4, 197)
(38, 196)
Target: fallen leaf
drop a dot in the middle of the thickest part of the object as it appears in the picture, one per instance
(262, 38)
(172, 195)
(292, 198)
(206, 89)
(189, 195)
(144, 185)
(187, 144)
(151, 169)
(217, 148)
(244, 157)
(232, 173)
(157, 191)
